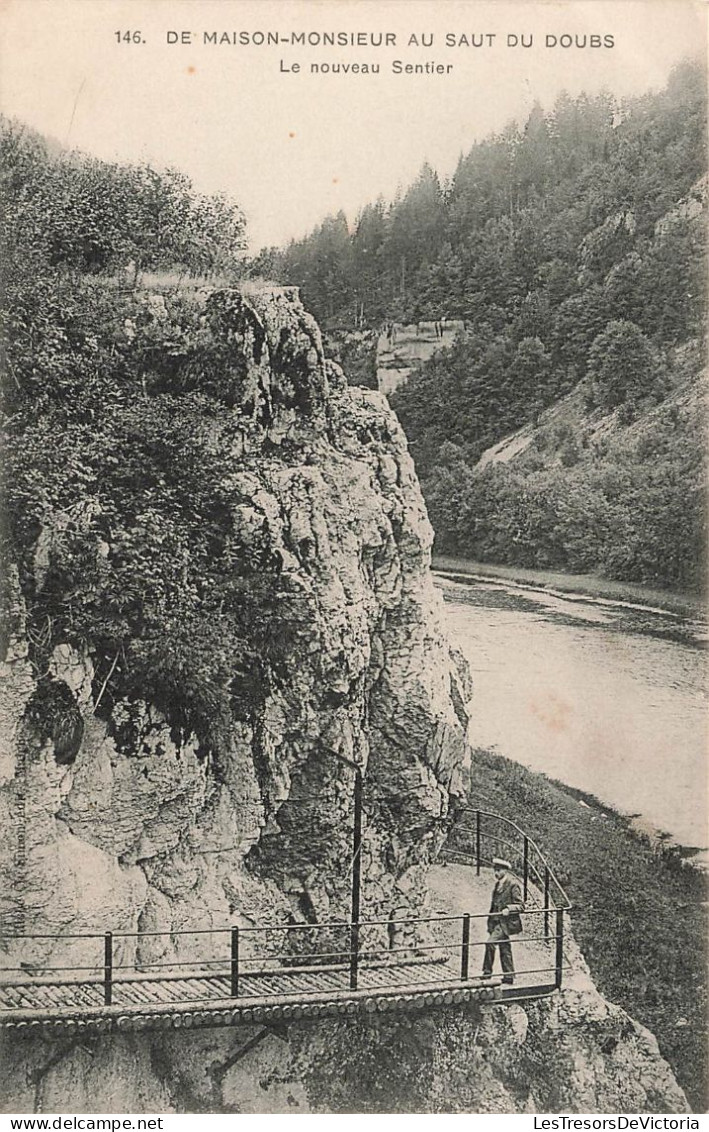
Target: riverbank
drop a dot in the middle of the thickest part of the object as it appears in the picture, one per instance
(589, 585)
(639, 914)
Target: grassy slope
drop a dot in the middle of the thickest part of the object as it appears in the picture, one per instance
(686, 604)
(640, 919)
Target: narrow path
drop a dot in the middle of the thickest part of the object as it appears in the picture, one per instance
(200, 1000)
(456, 889)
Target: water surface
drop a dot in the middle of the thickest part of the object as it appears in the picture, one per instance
(605, 697)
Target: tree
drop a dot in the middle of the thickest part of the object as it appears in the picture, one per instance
(622, 364)
(368, 242)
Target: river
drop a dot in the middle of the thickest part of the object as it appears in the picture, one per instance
(607, 697)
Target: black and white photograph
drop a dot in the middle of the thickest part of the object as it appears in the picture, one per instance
(353, 547)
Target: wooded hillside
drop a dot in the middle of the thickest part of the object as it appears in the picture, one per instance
(574, 249)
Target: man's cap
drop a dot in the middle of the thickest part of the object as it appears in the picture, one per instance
(500, 863)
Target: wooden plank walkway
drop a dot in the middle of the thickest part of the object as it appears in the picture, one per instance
(440, 965)
(205, 999)
(279, 984)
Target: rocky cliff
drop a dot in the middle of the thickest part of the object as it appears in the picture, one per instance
(571, 1053)
(121, 814)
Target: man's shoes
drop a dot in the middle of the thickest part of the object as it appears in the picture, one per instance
(486, 975)
(508, 979)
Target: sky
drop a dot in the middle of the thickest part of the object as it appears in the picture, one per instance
(292, 146)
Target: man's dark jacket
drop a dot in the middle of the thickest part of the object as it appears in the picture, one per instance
(507, 893)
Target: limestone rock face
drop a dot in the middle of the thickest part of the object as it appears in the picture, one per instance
(571, 1053)
(122, 823)
(116, 819)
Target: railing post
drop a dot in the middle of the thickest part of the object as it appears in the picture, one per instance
(234, 989)
(356, 881)
(526, 867)
(354, 955)
(546, 902)
(465, 952)
(477, 842)
(559, 947)
(108, 968)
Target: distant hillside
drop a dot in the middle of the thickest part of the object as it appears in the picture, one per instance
(586, 491)
(611, 477)
(401, 348)
(574, 251)
(566, 428)
(561, 435)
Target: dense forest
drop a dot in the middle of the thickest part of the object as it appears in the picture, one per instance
(574, 250)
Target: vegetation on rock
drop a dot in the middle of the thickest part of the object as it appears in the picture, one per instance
(117, 503)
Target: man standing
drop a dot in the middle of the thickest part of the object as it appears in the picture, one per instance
(503, 921)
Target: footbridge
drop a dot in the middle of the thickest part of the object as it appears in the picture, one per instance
(244, 973)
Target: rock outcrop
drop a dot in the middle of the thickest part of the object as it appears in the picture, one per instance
(571, 1053)
(120, 822)
(117, 818)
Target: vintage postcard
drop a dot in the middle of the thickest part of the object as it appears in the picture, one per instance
(353, 711)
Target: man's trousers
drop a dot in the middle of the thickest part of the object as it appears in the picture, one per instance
(498, 937)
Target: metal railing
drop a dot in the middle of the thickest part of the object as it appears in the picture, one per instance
(479, 835)
(298, 960)
(249, 962)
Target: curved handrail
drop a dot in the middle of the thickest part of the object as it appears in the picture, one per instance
(236, 963)
(566, 906)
